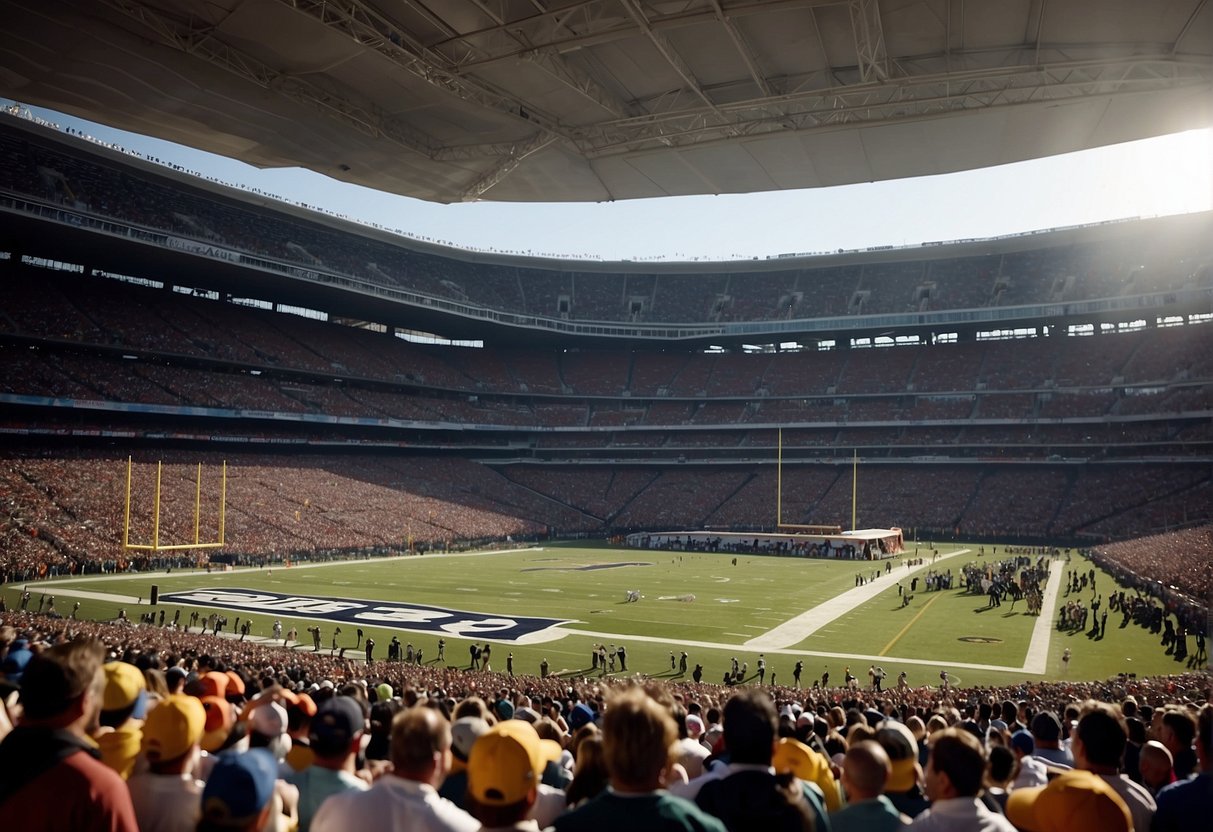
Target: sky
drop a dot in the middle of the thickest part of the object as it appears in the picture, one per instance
(1152, 177)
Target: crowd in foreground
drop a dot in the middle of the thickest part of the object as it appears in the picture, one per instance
(106, 727)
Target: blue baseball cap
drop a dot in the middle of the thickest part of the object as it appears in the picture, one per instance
(240, 786)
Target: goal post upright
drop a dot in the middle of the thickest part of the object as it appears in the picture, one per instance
(223, 506)
(126, 519)
(155, 545)
(156, 519)
(779, 482)
(854, 486)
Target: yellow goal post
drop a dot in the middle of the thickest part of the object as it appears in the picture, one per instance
(156, 545)
(810, 528)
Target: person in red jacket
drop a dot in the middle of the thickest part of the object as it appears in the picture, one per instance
(51, 775)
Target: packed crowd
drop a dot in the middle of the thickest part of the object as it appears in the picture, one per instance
(147, 728)
(1176, 567)
(95, 311)
(57, 373)
(199, 216)
(64, 512)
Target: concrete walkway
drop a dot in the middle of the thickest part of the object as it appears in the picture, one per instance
(796, 630)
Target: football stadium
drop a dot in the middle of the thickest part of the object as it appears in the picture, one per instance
(272, 459)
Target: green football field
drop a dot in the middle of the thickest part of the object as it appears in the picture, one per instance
(557, 601)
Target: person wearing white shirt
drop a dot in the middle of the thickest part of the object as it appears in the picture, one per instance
(1098, 743)
(407, 798)
(953, 779)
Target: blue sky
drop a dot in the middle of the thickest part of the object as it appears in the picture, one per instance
(1167, 175)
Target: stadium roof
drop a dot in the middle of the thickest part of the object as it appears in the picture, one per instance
(590, 100)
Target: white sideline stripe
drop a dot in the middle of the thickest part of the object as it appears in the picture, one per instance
(796, 630)
(1037, 659)
(244, 570)
(64, 592)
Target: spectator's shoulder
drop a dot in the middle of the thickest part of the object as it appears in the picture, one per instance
(687, 815)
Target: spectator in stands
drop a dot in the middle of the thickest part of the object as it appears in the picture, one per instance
(1157, 769)
(408, 797)
(1032, 770)
(123, 707)
(590, 775)
(750, 794)
(638, 738)
(1046, 734)
(1176, 733)
(242, 794)
(335, 737)
(505, 767)
(1074, 801)
(464, 732)
(167, 797)
(904, 788)
(51, 776)
(865, 773)
(1181, 805)
(1098, 745)
(795, 758)
(954, 780)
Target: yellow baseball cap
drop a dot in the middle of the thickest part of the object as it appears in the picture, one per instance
(1076, 801)
(173, 727)
(124, 687)
(507, 763)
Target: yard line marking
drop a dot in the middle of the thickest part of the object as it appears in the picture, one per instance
(909, 624)
(796, 630)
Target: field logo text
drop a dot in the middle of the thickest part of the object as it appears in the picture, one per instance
(417, 617)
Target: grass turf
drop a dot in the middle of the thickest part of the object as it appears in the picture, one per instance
(586, 584)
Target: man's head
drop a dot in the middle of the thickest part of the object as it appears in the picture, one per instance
(220, 719)
(956, 765)
(638, 735)
(902, 750)
(1177, 731)
(421, 745)
(1046, 730)
(1001, 765)
(61, 686)
(865, 771)
(1156, 765)
(336, 730)
(750, 727)
(464, 733)
(1098, 743)
(1022, 744)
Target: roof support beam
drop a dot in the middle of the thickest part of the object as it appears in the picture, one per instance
(872, 58)
(200, 43)
(512, 159)
(668, 52)
(739, 44)
(367, 27)
(912, 97)
(555, 65)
